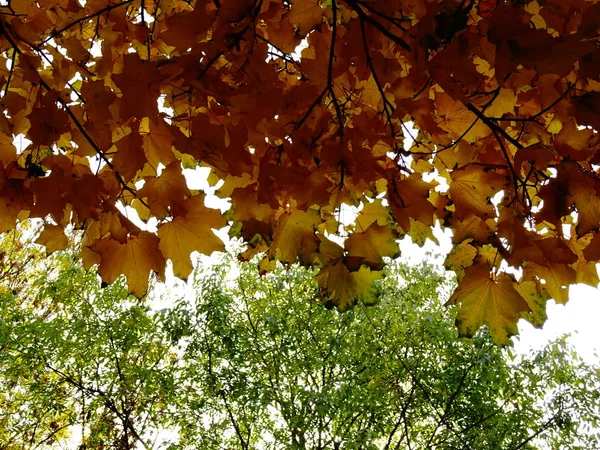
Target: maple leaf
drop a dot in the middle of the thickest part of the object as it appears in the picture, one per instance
(460, 257)
(344, 288)
(459, 121)
(305, 15)
(138, 84)
(370, 246)
(372, 212)
(487, 300)
(536, 297)
(190, 231)
(556, 278)
(53, 238)
(472, 189)
(295, 236)
(135, 259)
(14, 198)
(157, 140)
(408, 200)
(170, 186)
(8, 152)
(129, 157)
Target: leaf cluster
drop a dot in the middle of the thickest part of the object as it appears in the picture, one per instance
(112, 99)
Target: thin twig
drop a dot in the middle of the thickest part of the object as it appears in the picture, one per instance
(356, 6)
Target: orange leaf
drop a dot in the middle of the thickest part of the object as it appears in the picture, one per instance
(157, 142)
(458, 120)
(305, 14)
(135, 259)
(190, 231)
(169, 187)
(53, 238)
(472, 189)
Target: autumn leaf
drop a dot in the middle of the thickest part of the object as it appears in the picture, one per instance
(104, 105)
(370, 246)
(157, 141)
(460, 257)
(503, 104)
(408, 200)
(14, 198)
(472, 189)
(458, 120)
(129, 157)
(536, 297)
(138, 84)
(344, 288)
(295, 236)
(190, 231)
(8, 152)
(488, 300)
(305, 15)
(53, 238)
(135, 259)
(170, 186)
(48, 122)
(372, 212)
(556, 278)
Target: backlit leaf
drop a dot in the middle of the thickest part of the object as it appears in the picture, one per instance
(488, 300)
(53, 238)
(190, 231)
(135, 259)
(345, 288)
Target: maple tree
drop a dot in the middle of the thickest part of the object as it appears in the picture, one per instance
(116, 97)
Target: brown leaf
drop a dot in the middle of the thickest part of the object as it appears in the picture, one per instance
(135, 259)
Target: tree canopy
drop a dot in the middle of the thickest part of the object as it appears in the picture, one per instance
(115, 98)
(246, 362)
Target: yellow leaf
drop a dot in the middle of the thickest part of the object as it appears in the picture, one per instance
(157, 142)
(488, 301)
(345, 288)
(535, 296)
(372, 245)
(188, 232)
(372, 212)
(53, 238)
(586, 271)
(503, 104)
(419, 233)
(458, 120)
(164, 190)
(460, 256)
(89, 258)
(556, 279)
(135, 259)
(489, 254)
(295, 236)
(473, 187)
(329, 251)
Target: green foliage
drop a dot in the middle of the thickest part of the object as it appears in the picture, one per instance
(249, 362)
